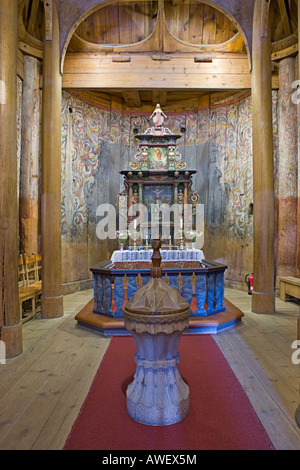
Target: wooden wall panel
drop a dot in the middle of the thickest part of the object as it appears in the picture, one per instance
(125, 23)
(128, 23)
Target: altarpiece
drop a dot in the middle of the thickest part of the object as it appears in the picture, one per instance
(159, 178)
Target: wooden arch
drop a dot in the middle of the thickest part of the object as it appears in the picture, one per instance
(72, 13)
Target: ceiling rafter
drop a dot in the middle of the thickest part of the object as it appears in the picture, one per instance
(285, 17)
(132, 98)
(32, 16)
(159, 96)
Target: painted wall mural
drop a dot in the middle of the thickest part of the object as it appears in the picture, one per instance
(98, 143)
(230, 167)
(80, 149)
(217, 142)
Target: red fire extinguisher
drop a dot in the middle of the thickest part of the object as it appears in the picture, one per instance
(249, 282)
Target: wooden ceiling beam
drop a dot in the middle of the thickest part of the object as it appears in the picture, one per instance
(229, 71)
(48, 20)
(284, 17)
(289, 51)
(132, 98)
(32, 17)
(159, 96)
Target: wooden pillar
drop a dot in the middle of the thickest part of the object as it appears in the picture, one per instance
(298, 198)
(263, 297)
(10, 323)
(52, 299)
(297, 415)
(130, 195)
(287, 174)
(29, 181)
(186, 194)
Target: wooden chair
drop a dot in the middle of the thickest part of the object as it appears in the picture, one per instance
(30, 285)
(32, 268)
(21, 272)
(26, 293)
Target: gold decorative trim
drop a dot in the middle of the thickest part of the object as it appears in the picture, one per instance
(180, 283)
(139, 281)
(125, 281)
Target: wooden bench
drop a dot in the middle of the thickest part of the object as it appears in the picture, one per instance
(30, 285)
(290, 287)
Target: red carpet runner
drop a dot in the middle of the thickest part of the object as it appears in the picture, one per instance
(221, 416)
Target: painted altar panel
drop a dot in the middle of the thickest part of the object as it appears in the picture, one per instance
(158, 194)
(158, 158)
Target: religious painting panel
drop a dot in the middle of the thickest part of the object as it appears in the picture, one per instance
(158, 194)
(158, 158)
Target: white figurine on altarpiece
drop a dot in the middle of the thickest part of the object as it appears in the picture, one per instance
(158, 116)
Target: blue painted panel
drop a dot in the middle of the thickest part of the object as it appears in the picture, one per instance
(219, 293)
(146, 279)
(173, 281)
(108, 296)
(119, 296)
(187, 292)
(210, 293)
(99, 294)
(95, 302)
(201, 295)
(132, 287)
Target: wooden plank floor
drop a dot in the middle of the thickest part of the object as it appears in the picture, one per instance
(42, 390)
(259, 351)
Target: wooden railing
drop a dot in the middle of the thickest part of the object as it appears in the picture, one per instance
(202, 287)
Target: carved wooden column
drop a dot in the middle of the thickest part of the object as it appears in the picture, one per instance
(29, 190)
(130, 195)
(287, 174)
(186, 196)
(263, 297)
(11, 327)
(52, 299)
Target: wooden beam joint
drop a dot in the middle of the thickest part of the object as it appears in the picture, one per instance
(265, 10)
(48, 19)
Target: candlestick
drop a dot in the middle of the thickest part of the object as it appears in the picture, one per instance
(181, 247)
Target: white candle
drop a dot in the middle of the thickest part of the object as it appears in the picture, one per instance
(134, 223)
(181, 223)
